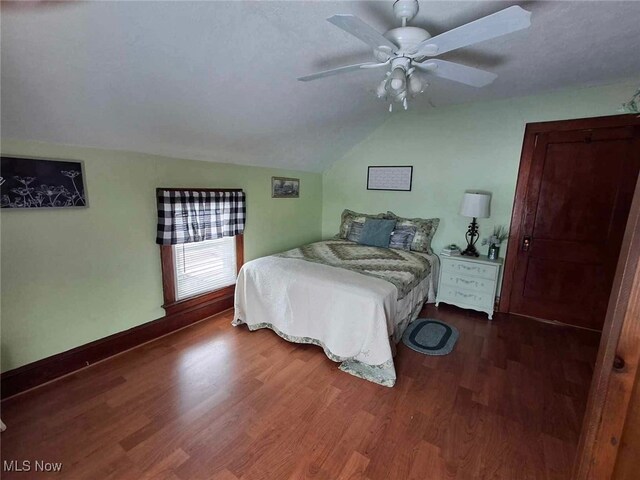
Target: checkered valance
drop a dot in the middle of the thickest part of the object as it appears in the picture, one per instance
(186, 216)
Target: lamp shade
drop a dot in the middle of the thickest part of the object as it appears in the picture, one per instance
(475, 205)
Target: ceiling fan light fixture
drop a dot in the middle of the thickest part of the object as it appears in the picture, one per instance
(399, 97)
(381, 91)
(415, 85)
(397, 84)
(398, 79)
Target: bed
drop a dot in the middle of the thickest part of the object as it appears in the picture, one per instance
(354, 301)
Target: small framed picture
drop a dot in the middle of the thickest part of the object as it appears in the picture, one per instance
(390, 178)
(282, 187)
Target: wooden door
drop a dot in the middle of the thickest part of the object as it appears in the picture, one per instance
(576, 202)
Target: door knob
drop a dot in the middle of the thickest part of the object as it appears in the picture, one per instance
(618, 363)
(526, 243)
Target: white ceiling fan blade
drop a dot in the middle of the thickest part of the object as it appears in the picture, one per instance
(456, 72)
(500, 23)
(345, 69)
(365, 32)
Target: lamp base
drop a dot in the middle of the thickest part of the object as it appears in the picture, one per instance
(470, 251)
(472, 237)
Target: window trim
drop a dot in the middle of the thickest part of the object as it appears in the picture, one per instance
(171, 305)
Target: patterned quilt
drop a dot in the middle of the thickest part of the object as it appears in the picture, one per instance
(402, 268)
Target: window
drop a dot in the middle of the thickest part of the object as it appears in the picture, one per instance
(204, 266)
(200, 233)
(199, 274)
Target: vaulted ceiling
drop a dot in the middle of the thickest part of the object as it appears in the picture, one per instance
(217, 80)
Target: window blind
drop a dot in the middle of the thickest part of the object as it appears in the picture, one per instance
(204, 266)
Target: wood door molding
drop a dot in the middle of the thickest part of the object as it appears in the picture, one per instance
(616, 368)
(623, 120)
(532, 131)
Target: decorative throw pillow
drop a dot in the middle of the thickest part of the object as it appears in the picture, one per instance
(425, 230)
(401, 237)
(354, 231)
(349, 216)
(376, 232)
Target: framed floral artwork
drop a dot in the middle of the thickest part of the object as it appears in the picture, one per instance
(39, 183)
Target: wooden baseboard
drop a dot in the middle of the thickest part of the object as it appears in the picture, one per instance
(43, 371)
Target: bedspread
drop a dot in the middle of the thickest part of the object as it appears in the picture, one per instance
(355, 316)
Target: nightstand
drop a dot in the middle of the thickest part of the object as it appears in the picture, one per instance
(469, 282)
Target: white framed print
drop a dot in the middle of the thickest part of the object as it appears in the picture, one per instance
(396, 178)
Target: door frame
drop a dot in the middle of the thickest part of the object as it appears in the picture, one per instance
(616, 370)
(532, 130)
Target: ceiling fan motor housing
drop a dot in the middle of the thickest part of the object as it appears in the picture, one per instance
(407, 38)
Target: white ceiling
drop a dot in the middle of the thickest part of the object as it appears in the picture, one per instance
(217, 80)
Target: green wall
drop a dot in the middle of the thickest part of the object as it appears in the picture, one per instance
(452, 149)
(73, 276)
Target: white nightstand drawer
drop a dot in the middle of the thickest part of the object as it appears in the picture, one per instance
(470, 268)
(477, 284)
(456, 295)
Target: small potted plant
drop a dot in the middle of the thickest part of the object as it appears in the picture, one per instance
(499, 235)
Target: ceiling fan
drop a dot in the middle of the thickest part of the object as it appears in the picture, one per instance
(406, 50)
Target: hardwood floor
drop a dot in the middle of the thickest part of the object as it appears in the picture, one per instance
(217, 402)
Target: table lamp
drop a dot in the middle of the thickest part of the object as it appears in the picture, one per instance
(474, 205)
